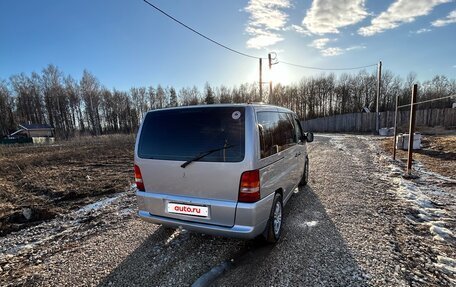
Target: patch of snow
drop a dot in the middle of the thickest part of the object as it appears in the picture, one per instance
(173, 236)
(418, 193)
(126, 211)
(446, 264)
(339, 136)
(395, 170)
(338, 143)
(440, 233)
(61, 227)
(427, 211)
(312, 223)
(427, 174)
(97, 205)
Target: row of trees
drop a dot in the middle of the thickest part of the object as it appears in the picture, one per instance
(86, 106)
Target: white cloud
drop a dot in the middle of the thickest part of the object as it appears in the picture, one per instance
(265, 21)
(451, 18)
(333, 51)
(322, 45)
(421, 31)
(261, 41)
(319, 43)
(357, 47)
(327, 16)
(398, 13)
(298, 29)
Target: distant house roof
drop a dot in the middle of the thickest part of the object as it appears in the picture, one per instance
(36, 126)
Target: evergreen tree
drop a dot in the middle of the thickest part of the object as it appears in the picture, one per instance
(172, 97)
(209, 98)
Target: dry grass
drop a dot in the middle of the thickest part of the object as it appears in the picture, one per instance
(438, 153)
(53, 179)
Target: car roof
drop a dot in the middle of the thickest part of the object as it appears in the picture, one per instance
(256, 106)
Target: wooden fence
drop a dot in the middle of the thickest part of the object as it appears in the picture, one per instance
(365, 122)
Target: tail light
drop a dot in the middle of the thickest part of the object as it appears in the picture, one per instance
(138, 179)
(249, 189)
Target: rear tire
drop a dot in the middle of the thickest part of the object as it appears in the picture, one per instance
(274, 228)
(305, 175)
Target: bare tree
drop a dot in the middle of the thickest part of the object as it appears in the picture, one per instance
(7, 120)
(224, 95)
(74, 98)
(73, 106)
(90, 92)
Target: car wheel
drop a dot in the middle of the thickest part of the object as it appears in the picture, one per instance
(305, 175)
(274, 228)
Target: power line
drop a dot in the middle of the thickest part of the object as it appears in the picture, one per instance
(200, 34)
(427, 101)
(244, 54)
(327, 69)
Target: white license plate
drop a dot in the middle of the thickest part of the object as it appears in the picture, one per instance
(187, 209)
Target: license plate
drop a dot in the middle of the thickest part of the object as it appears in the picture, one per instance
(194, 210)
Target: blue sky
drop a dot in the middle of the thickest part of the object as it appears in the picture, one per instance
(126, 43)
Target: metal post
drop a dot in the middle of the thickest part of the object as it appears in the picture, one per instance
(270, 80)
(379, 79)
(395, 129)
(261, 83)
(411, 129)
(270, 91)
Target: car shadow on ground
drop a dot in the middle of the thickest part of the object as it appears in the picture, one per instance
(172, 255)
(311, 252)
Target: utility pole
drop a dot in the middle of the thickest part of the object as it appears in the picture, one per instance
(379, 79)
(270, 80)
(261, 82)
(411, 130)
(395, 128)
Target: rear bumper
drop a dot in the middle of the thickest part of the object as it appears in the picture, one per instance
(237, 231)
(250, 219)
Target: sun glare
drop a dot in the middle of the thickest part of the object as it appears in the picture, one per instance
(278, 74)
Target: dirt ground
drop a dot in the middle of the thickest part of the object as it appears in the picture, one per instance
(438, 153)
(38, 182)
(357, 223)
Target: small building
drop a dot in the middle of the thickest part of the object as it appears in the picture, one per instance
(38, 133)
(34, 130)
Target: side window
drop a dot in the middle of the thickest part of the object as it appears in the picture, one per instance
(285, 134)
(298, 129)
(268, 122)
(277, 132)
(296, 137)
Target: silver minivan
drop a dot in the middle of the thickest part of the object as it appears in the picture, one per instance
(220, 169)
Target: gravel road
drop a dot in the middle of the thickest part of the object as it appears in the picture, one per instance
(351, 226)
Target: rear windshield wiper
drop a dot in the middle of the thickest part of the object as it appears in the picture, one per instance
(201, 155)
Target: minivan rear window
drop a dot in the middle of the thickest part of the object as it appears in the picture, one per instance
(182, 134)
